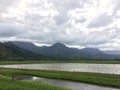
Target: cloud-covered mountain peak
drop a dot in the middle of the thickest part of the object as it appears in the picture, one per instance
(58, 45)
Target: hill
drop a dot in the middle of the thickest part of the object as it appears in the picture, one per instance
(59, 50)
(9, 50)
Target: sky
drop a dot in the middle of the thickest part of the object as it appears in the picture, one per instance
(76, 23)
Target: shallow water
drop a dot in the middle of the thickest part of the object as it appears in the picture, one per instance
(75, 85)
(64, 83)
(71, 67)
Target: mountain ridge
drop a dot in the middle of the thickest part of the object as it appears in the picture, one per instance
(112, 52)
(8, 50)
(28, 50)
(62, 51)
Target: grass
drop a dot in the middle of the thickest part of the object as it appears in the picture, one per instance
(92, 78)
(6, 83)
(59, 61)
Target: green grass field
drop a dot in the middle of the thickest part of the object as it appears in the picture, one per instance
(93, 78)
(6, 83)
(59, 61)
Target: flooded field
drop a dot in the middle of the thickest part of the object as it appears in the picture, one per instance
(71, 67)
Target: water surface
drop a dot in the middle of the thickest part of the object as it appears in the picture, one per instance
(65, 83)
(71, 67)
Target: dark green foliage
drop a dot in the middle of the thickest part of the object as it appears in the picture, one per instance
(11, 51)
(58, 61)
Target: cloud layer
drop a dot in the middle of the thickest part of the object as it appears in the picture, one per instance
(80, 23)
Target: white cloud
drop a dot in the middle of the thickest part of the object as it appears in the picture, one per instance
(101, 21)
(10, 30)
(80, 23)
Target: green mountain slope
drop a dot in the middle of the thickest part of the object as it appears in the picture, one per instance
(3, 51)
(10, 51)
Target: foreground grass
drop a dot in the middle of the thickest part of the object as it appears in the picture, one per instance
(6, 83)
(93, 78)
(59, 61)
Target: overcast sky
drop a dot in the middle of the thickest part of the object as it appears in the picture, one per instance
(79, 23)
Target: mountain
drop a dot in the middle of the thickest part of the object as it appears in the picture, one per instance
(112, 52)
(27, 50)
(26, 45)
(59, 45)
(93, 53)
(56, 50)
(9, 50)
(3, 51)
(59, 50)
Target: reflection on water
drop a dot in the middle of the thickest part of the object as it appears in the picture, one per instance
(72, 67)
(75, 85)
(64, 83)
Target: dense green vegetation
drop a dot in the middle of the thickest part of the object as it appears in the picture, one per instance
(10, 51)
(6, 83)
(94, 78)
(58, 61)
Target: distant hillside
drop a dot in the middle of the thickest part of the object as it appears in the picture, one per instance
(112, 52)
(3, 51)
(59, 50)
(9, 50)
